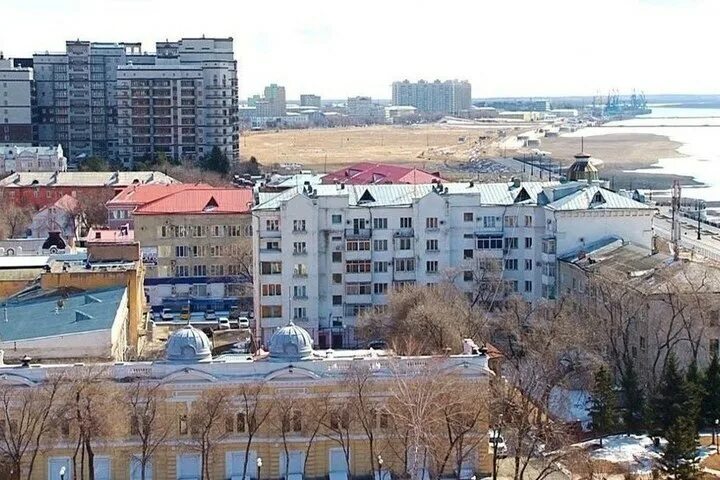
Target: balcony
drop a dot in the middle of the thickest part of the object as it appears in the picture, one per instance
(404, 232)
(357, 233)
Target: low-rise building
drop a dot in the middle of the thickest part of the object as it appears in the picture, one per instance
(121, 207)
(32, 159)
(63, 216)
(380, 174)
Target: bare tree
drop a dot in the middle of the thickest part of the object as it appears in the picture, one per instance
(14, 219)
(254, 413)
(337, 426)
(27, 423)
(207, 425)
(91, 207)
(145, 401)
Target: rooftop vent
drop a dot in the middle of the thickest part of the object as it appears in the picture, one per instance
(81, 317)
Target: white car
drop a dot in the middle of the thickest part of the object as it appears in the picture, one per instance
(243, 322)
(166, 315)
(210, 314)
(496, 438)
(223, 323)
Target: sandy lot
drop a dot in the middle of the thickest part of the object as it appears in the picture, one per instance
(334, 147)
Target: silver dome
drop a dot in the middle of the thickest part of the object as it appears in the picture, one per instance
(188, 345)
(291, 343)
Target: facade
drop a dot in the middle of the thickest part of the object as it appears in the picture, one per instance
(325, 253)
(270, 422)
(183, 105)
(196, 246)
(32, 159)
(63, 216)
(40, 189)
(273, 102)
(363, 109)
(310, 100)
(16, 96)
(449, 97)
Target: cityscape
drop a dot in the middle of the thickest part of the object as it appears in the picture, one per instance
(240, 256)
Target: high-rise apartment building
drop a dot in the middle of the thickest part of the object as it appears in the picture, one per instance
(77, 97)
(16, 92)
(450, 96)
(310, 100)
(273, 102)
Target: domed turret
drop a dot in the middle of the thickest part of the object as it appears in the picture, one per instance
(290, 343)
(582, 169)
(188, 345)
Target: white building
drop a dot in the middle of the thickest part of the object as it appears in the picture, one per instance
(32, 159)
(15, 104)
(324, 253)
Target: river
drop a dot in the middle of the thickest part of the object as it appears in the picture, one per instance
(685, 126)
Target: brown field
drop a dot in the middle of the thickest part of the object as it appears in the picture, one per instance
(334, 147)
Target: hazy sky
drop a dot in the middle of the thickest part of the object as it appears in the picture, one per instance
(339, 48)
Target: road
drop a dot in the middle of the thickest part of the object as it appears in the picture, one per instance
(707, 246)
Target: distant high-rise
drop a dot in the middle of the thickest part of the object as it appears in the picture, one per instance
(450, 96)
(310, 100)
(16, 91)
(273, 102)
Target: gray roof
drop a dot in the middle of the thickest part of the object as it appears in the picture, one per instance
(81, 312)
(488, 193)
(83, 179)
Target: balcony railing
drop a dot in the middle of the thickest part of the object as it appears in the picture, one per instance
(357, 233)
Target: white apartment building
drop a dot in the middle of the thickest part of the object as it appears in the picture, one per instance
(15, 104)
(324, 253)
(32, 159)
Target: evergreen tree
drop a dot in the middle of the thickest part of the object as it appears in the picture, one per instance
(679, 455)
(673, 399)
(696, 389)
(217, 161)
(633, 413)
(603, 404)
(711, 384)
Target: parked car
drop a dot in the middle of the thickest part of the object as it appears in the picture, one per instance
(223, 323)
(185, 313)
(166, 315)
(243, 322)
(210, 314)
(496, 438)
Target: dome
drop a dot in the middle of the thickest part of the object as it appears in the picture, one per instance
(290, 343)
(188, 345)
(582, 169)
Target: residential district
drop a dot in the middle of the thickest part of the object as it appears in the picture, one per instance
(377, 321)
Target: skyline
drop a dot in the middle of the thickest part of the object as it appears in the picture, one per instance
(554, 48)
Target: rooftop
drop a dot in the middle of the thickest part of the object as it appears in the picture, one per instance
(16, 150)
(83, 179)
(142, 194)
(194, 201)
(110, 235)
(378, 173)
(43, 317)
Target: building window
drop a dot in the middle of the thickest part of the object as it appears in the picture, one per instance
(299, 313)
(272, 225)
(511, 264)
(337, 278)
(431, 223)
(406, 222)
(299, 248)
(380, 267)
(357, 288)
(528, 220)
(528, 264)
(336, 219)
(357, 266)
(489, 243)
(528, 286)
(467, 217)
(511, 221)
(511, 242)
(183, 425)
(380, 223)
(337, 299)
(300, 291)
(182, 251)
(405, 244)
(299, 226)
(380, 245)
(272, 245)
(270, 268)
(404, 264)
(357, 245)
(467, 254)
(271, 311)
(300, 270)
(199, 270)
(182, 271)
(431, 245)
(380, 288)
(468, 276)
(271, 290)
(431, 266)
(337, 257)
(489, 221)
(528, 242)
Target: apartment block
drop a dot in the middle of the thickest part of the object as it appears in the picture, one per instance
(310, 100)
(449, 97)
(325, 253)
(16, 95)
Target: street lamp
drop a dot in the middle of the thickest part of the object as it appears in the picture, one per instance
(715, 442)
(62, 473)
(698, 219)
(380, 464)
(496, 440)
(259, 466)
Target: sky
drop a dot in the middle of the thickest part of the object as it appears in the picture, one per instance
(338, 48)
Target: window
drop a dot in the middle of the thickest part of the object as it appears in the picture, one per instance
(300, 270)
(404, 264)
(272, 245)
(292, 421)
(356, 288)
(272, 225)
(299, 248)
(380, 288)
(380, 267)
(489, 221)
(528, 264)
(511, 220)
(299, 313)
(549, 246)
(357, 245)
(357, 266)
(215, 251)
(300, 291)
(136, 468)
(511, 264)
(467, 217)
(489, 243)
(468, 276)
(270, 268)
(431, 245)
(337, 299)
(199, 270)
(431, 266)
(380, 245)
(271, 290)
(528, 242)
(405, 244)
(183, 425)
(337, 257)
(431, 223)
(271, 311)
(528, 220)
(528, 286)
(299, 226)
(467, 254)
(511, 242)
(182, 251)
(182, 271)
(336, 278)
(406, 222)
(380, 223)
(199, 251)
(336, 219)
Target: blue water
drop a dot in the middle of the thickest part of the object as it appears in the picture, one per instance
(699, 144)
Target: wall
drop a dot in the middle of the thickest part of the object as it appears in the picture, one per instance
(88, 346)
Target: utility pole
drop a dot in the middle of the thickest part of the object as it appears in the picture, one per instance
(675, 233)
(698, 219)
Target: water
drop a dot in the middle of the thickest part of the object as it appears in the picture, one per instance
(699, 144)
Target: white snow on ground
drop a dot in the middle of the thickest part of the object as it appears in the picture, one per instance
(637, 452)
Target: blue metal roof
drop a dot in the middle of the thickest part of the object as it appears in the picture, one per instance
(39, 317)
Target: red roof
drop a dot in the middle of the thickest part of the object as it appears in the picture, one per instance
(66, 202)
(378, 173)
(142, 194)
(200, 201)
(109, 235)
